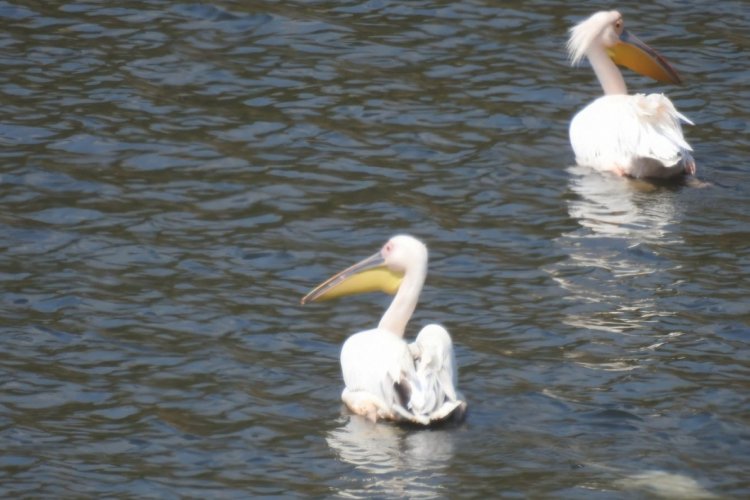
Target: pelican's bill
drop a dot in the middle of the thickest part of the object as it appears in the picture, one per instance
(636, 55)
(368, 275)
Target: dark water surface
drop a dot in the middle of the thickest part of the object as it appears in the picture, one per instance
(175, 176)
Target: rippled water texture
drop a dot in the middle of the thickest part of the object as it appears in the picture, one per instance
(175, 176)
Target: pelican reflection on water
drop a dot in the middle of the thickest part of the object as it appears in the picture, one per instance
(385, 378)
(612, 275)
(634, 211)
(634, 135)
(396, 462)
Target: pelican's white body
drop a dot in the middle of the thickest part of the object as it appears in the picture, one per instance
(375, 362)
(636, 135)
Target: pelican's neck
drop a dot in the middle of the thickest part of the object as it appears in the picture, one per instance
(606, 71)
(402, 307)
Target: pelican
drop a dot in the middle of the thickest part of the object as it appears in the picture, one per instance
(385, 378)
(632, 135)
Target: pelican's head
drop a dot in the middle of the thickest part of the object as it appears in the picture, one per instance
(381, 272)
(606, 30)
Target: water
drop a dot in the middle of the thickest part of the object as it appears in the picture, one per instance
(175, 176)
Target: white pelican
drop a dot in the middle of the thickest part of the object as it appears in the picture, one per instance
(385, 377)
(634, 135)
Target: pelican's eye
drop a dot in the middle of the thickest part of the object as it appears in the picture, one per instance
(387, 249)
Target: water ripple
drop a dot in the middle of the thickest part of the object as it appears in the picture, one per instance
(177, 175)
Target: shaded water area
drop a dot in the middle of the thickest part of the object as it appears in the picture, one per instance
(174, 176)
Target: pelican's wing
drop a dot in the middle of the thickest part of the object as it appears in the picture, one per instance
(639, 135)
(660, 133)
(433, 391)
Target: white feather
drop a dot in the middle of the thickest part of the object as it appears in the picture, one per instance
(586, 34)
